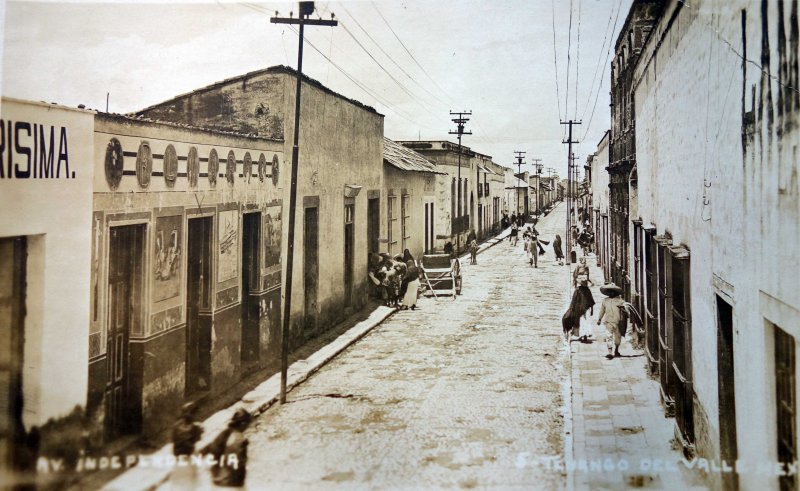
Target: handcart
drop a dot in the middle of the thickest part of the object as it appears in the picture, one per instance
(441, 275)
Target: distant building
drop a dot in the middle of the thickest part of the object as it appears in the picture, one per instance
(412, 178)
(599, 186)
(459, 209)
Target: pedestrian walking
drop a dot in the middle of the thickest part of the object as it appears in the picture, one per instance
(185, 434)
(575, 321)
(558, 251)
(613, 317)
(528, 246)
(473, 251)
(538, 249)
(512, 237)
(230, 451)
(581, 273)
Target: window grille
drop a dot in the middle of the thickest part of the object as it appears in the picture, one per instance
(390, 223)
(680, 332)
(404, 220)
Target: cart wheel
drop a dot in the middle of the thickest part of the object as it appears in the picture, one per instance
(458, 285)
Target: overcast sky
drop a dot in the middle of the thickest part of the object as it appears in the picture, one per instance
(495, 58)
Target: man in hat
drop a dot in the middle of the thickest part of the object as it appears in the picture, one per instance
(230, 450)
(612, 315)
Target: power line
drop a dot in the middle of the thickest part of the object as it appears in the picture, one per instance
(391, 58)
(600, 59)
(555, 61)
(396, 110)
(578, 61)
(569, 55)
(405, 48)
(597, 94)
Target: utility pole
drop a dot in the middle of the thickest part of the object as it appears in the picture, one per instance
(306, 9)
(569, 142)
(538, 167)
(460, 120)
(520, 156)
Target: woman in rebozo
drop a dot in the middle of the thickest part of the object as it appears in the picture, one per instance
(412, 287)
(557, 249)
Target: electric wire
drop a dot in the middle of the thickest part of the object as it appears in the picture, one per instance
(391, 58)
(364, 88)
(406, 49)
(599, 61)
(578, 61)
(602, 74)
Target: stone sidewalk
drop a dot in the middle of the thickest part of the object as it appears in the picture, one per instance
(619, 435)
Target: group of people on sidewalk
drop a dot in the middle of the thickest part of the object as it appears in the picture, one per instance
(613, 315)
(395, 279)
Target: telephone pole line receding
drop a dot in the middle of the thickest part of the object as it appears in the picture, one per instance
(538, 175)
(306, 9)
(520, 156)
(460, 120)
(569, 142)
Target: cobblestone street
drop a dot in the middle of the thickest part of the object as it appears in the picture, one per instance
(458, 394)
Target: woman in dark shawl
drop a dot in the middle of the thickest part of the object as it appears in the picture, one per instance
(557, 249)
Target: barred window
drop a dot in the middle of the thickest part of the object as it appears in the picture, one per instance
(680, 333)
(390, 223)
(404, 220)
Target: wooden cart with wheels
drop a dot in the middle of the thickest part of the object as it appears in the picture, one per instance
(441, 274)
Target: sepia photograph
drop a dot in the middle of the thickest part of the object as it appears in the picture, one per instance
(399, 245)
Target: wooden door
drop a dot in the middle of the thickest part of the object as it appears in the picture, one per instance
(126, 252)
(373, 224)
(310, 268)
(251, 233)
(349, 253)
(727, 392)
(198, 306)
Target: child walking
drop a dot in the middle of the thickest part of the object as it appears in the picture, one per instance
(612, 316)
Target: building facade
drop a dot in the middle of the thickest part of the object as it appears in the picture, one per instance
(458, 203)
(45, 255)
(622, 139)
(599, 187)
(340, 179)
(716, 227)
(410, 180)
(186, 268)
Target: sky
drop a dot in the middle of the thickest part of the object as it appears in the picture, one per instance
(413, 61)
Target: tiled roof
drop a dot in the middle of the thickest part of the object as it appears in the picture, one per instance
(404, 158)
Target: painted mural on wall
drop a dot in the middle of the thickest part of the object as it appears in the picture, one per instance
(213, 167)
(228, 241)
(170, 165)
(272, 236)
(192, 167)
(275, 170)
(144, 164)
(167, 258)
(113, 163)
(247, 167)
